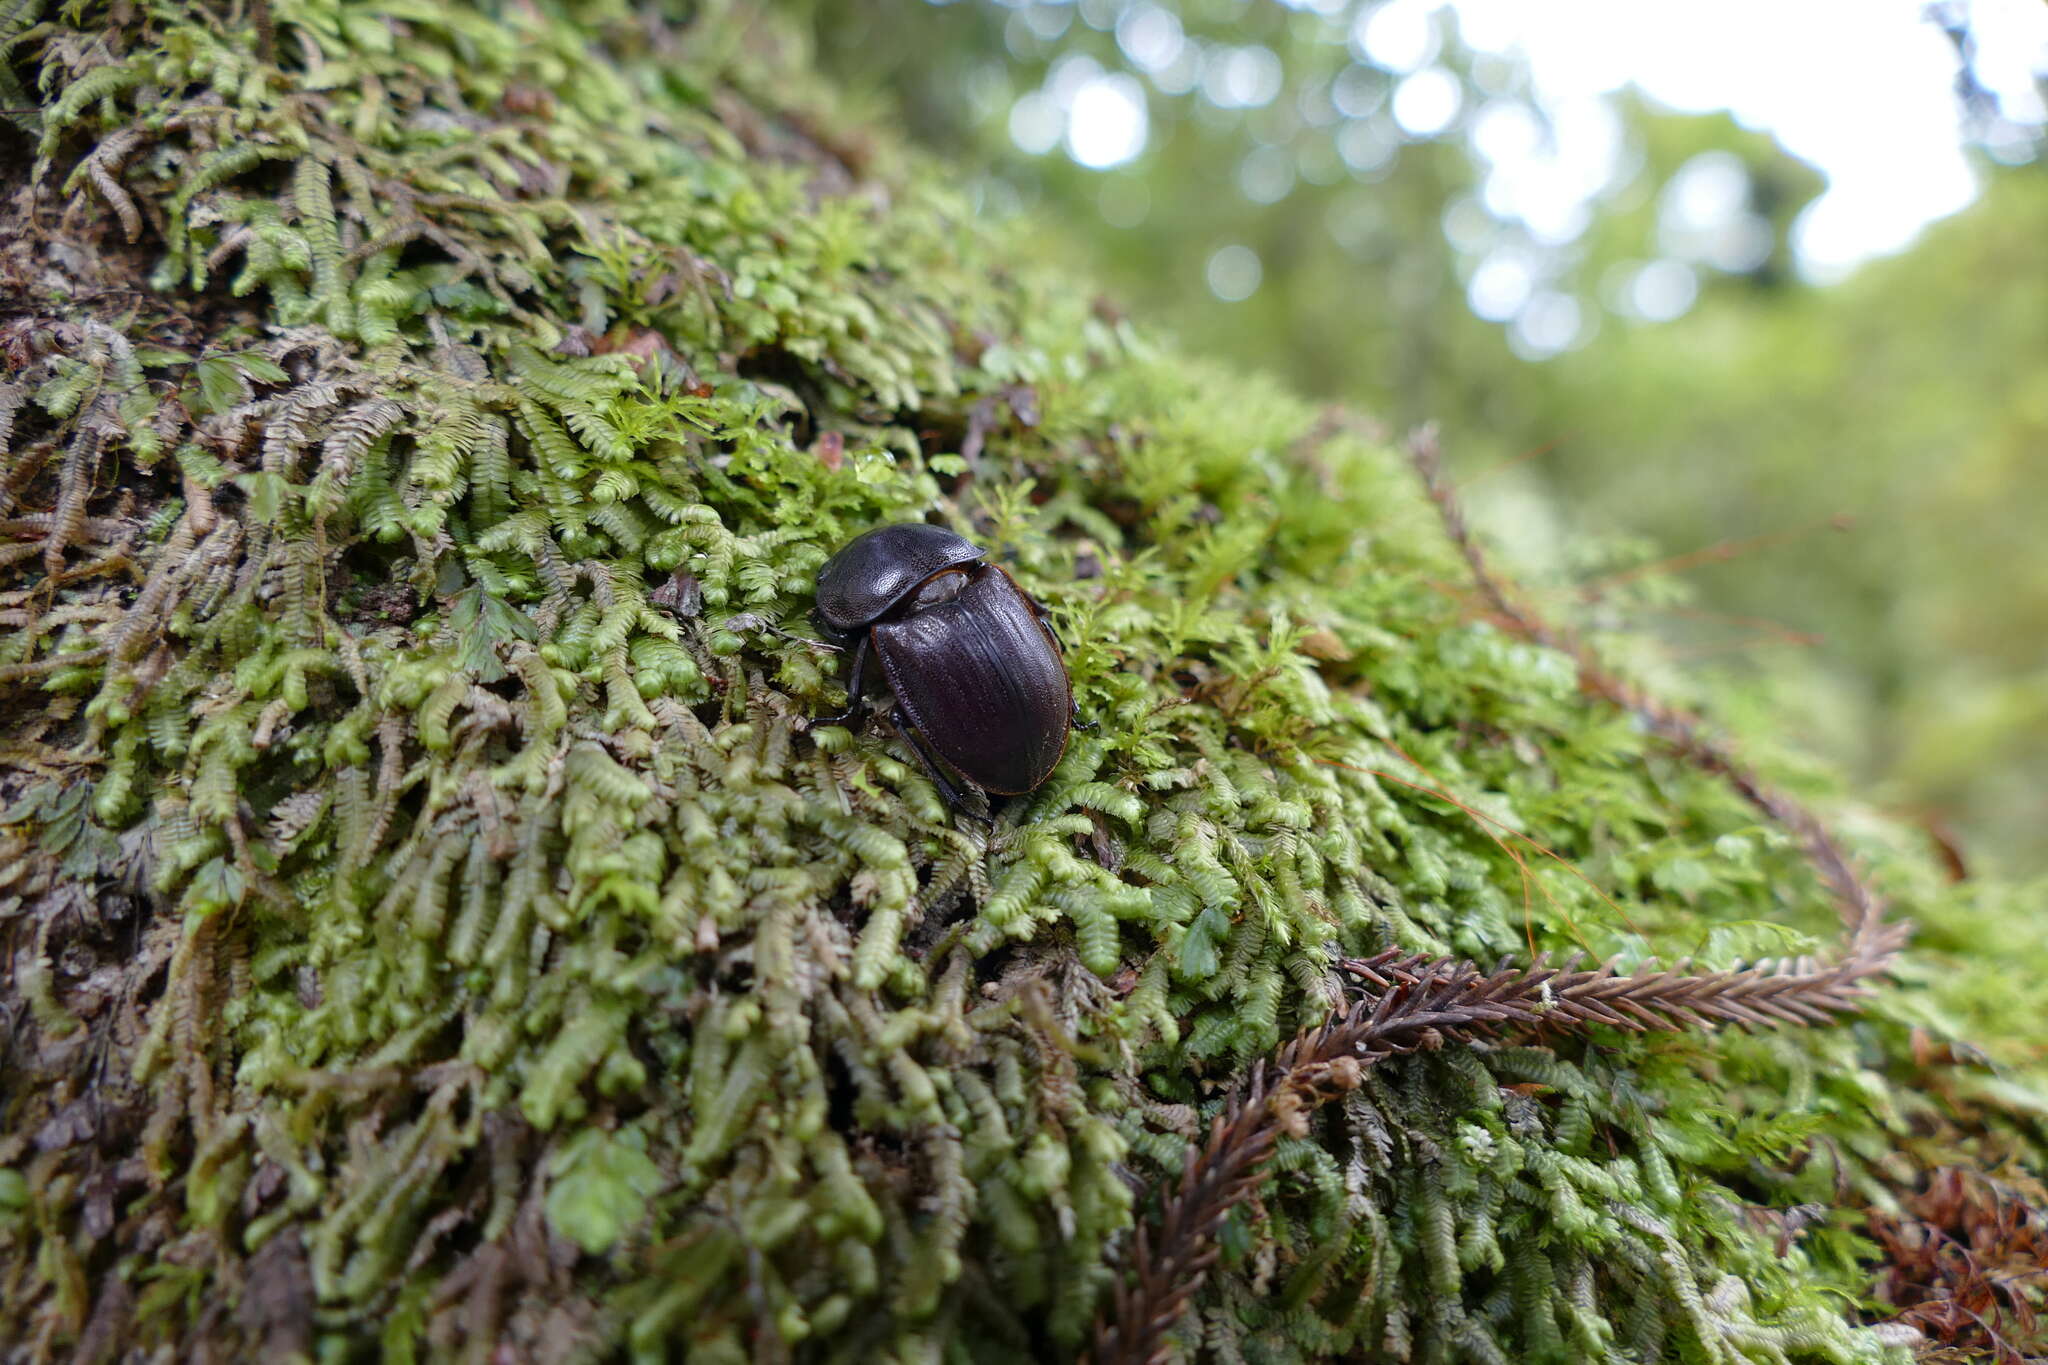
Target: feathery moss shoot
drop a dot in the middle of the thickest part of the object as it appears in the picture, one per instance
(432, 930)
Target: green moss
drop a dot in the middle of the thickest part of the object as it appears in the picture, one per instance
(500, 926)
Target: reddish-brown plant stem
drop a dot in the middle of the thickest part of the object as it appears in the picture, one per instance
(1871, 939)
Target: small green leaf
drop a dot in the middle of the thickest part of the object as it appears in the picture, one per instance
(1682, 876)
(261, 368)
(266, 495)
(600, 1187)
(215, 887)
(220, 384)
(1199, 956)
(481, 622)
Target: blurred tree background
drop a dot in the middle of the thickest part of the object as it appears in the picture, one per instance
(1660, 374)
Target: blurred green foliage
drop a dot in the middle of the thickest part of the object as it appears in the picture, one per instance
(1904, 403)
(1910, 399)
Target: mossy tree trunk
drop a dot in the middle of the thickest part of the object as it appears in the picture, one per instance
(434, 929)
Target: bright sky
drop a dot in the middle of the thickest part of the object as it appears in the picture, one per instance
(1863, 90)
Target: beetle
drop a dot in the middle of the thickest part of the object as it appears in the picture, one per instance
(981, 690)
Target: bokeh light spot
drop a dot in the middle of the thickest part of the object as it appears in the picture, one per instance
(1150, 37)
(1500, 286)
(1358, 91)
(1706, 192)
(1266, 175)
(1242, 77)
(1107, 124)
(1365, 146)
(1036, 122)
(1427, 102)
(1663, 290)
(1399, 36)
(1234, 273)
(1548, 323)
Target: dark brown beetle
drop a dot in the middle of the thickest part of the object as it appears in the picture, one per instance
(981, 692)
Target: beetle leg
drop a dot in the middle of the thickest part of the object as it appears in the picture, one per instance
(929, 763)
(1079, 724)
(850, 717)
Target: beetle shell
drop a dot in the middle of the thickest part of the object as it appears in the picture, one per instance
(981, 678)
(874, 572)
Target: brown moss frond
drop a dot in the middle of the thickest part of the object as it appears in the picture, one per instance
(102, 166)
(1966, 1260)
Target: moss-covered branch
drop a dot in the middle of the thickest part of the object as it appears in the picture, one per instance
(433, 927)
